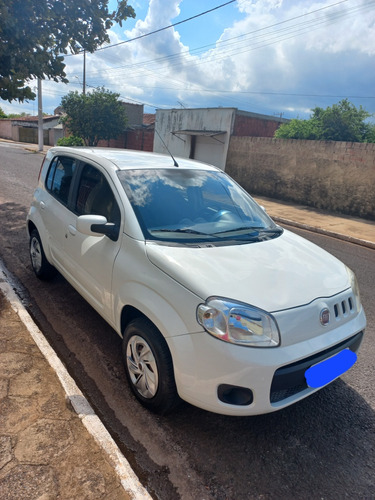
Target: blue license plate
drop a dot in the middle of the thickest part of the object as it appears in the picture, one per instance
(324, 372)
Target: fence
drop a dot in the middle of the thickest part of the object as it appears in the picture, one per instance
(334, 176)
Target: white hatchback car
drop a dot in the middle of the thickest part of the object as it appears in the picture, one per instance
(215, 303)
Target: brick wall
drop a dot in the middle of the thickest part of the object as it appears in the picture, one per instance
(142, 140)
(334, 176)
(113, 143)
(139, 139)
(254, 127)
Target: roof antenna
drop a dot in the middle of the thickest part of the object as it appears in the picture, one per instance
(166, 147)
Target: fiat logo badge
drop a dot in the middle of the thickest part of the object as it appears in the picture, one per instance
(324, 316)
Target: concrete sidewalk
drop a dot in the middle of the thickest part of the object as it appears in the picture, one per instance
(52, 444)
(352, 229)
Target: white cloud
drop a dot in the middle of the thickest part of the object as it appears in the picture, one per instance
(272, 48)
(161, 13)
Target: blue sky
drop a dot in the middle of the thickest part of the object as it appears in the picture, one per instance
(275, 57)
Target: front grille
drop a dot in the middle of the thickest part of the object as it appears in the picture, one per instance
(344, 308)
(277, 396)
(290, 379)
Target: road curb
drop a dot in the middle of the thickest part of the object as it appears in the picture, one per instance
(74, 396)
(325, 232)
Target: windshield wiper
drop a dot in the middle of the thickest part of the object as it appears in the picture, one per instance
(254, 229)
(186, 231)
(253, 232)
(277, 230)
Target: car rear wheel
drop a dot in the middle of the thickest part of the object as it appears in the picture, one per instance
(41, 267)
(148, 366)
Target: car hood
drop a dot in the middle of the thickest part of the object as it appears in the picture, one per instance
(273, 275)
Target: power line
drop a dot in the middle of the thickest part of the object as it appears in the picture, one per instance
(167, 27)
(252, 36)
(257, 41)
(246, 42)
(260, 92)
(162, 29)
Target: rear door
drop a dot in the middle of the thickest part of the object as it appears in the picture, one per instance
(54, 205)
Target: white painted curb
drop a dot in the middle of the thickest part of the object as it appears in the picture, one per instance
(82, 407)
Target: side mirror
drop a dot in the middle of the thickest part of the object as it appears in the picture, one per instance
(97, 225)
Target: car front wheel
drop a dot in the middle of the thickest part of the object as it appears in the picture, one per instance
(148, 366)
(41, 267)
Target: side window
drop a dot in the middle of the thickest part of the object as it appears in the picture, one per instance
(95, 196)
(60, 176)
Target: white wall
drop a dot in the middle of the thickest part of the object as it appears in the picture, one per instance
(203, 123)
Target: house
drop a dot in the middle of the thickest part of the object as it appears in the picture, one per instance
(139, 132)
(25, 129)
(204, 133)
(141, 137)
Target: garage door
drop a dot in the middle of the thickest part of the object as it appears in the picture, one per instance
(209, 149)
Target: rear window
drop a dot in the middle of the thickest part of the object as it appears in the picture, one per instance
(59, 177)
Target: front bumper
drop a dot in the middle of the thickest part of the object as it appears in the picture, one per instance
(290, 380)
(208, 370)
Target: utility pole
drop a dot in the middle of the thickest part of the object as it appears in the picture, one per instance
(40, 116)
(84, 72)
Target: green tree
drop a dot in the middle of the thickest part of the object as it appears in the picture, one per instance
(19, 115)
(370, 137)
(36, 34)
(70, 141)
(2, 114)
(94, 116)
(297, 129)
(340, 122)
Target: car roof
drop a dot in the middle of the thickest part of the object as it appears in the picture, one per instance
(124, 159)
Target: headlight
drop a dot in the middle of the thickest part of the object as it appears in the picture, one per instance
(355, 288)
(238, 323)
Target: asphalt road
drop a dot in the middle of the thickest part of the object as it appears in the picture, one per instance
(320, 448)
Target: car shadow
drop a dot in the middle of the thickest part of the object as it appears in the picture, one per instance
(321, 447)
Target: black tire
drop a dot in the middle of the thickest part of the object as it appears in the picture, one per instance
(41, 267)
(148, 366)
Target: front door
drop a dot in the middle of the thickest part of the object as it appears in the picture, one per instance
(89, 260)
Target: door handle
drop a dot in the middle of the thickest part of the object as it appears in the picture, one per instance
(72, 229)
(42, 205)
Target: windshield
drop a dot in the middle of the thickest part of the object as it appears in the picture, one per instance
(189, 206)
